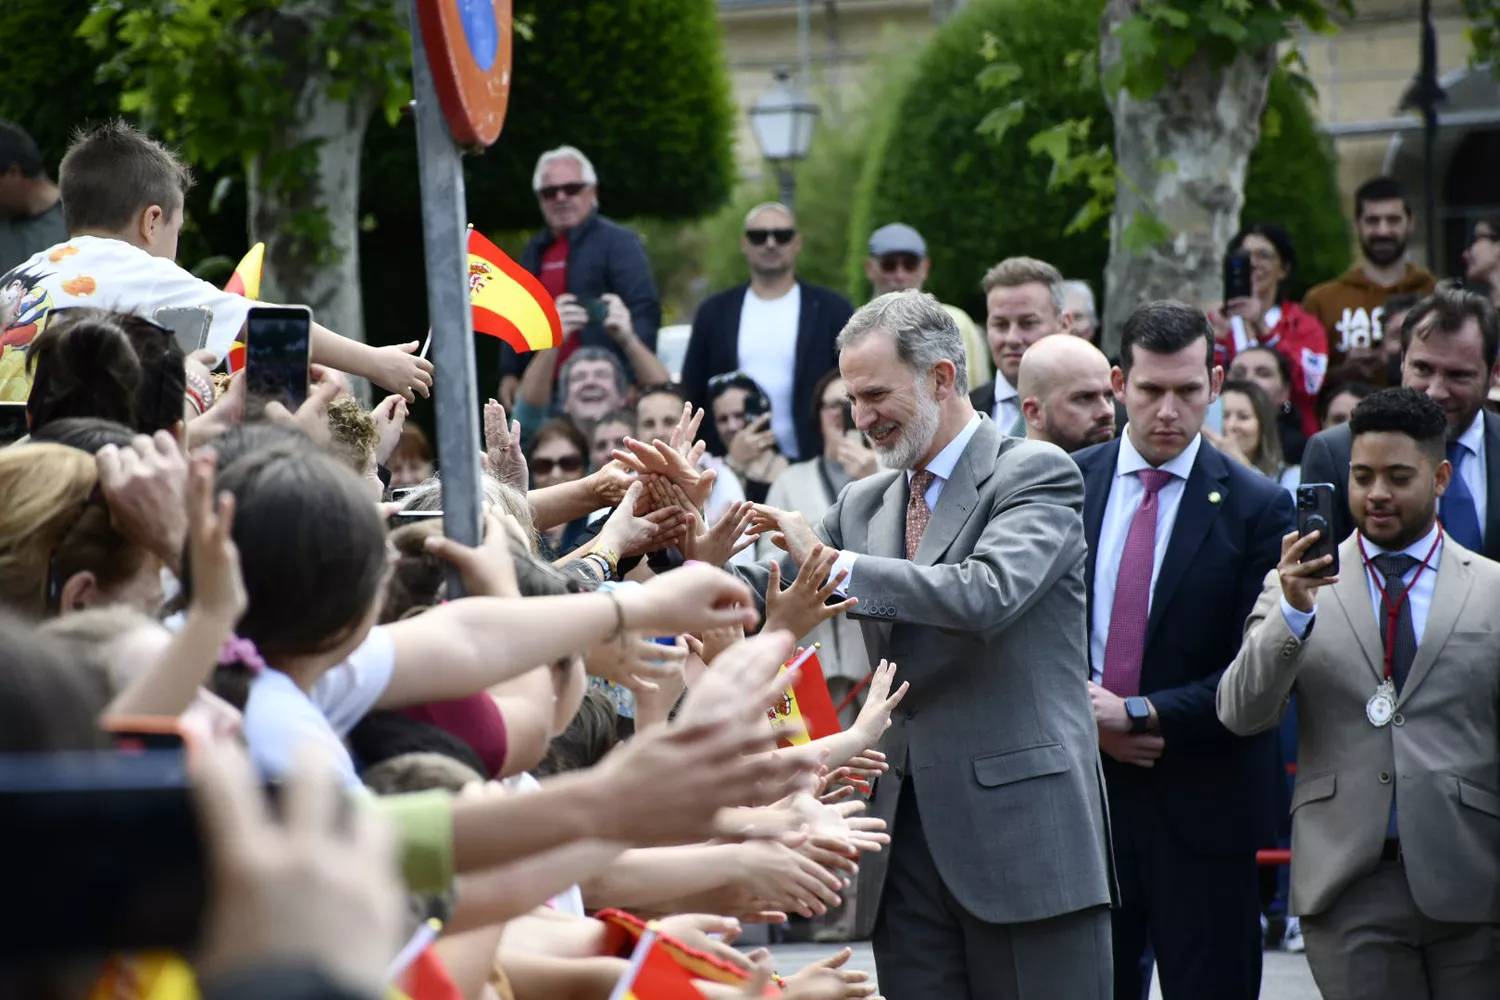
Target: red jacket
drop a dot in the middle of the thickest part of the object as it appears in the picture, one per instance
(1301, 339)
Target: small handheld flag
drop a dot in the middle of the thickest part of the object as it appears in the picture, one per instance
(806, 702)
(653, 975)
(509, 302)
(245, 281)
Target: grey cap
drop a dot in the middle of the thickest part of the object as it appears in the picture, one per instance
(898, 237)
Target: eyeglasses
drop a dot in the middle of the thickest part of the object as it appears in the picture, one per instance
(758, 237)
(546, 466)
(54, 579)
(551, 191)
(900, 261)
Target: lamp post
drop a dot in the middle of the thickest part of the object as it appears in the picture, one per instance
(1424, 95)
(783, 120)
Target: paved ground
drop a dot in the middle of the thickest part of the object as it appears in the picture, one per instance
(1285, 976)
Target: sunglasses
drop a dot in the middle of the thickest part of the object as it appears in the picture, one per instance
(900, 261)
(551, 191)
(758, 237)
(546, 466)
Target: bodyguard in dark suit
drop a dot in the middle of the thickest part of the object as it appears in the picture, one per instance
(788, 343)
(1180, 538)
(1448, 348)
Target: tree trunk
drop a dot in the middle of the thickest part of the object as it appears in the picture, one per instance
(1185, 150)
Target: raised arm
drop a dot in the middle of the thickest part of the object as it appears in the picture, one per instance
(396, 368)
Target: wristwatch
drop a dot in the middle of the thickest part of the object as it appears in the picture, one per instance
(1139, 712)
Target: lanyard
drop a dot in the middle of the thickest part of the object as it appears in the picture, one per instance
(1393, 609)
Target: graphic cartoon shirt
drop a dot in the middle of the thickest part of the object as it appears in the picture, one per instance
(105, 274)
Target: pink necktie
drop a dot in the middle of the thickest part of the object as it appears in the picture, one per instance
(1126, 644)
(917, 511)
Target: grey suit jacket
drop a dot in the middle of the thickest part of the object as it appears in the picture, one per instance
(988, 625)
(1440, 754)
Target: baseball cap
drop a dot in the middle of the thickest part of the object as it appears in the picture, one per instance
(897, 238)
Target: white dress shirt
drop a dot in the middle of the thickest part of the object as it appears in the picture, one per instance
(1125, 496)
(767, 352)
(1007, 409)
(1473, 469)
(941, 467)
(1420, 594)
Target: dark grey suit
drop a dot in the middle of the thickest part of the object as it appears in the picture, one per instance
(998, 877)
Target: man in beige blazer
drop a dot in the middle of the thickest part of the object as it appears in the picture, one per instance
(1396, 813)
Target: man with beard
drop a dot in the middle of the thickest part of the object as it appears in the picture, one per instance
(776, 328)
(1350, 306)
(1065, 393)
(967, 556)
(1179, 539)
(1449, 343)
(1392, 656)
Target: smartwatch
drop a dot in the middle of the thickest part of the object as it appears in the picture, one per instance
(1138, 710)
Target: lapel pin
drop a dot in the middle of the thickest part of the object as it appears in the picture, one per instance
(1215, 497)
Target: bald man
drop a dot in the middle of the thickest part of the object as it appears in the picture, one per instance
(1065, 393)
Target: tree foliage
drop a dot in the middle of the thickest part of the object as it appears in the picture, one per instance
(1039, 180)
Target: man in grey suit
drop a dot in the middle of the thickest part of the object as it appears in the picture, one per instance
(967, 557)
(1396, 814)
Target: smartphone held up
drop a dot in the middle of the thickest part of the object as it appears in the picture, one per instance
(1315, 513)
(278, 340)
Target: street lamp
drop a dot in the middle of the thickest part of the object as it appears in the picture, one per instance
(783, 120)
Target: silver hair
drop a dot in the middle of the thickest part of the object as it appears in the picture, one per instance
(591, 354)
(563, 153)
(428, 496)
(770, 204)
(923, 330)
(1083, 291)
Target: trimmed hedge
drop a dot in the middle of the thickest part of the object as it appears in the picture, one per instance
(977, 202)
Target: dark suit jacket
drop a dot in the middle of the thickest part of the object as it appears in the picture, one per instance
(1215, 790)
(983, 398)
(714, 348)
(1326, 460)
(603, 256)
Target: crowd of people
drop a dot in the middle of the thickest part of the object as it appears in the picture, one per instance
(1087, 567)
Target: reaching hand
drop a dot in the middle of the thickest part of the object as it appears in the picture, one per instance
(310, 888)
(685, 434)
(397, 369)
(1300, 580)
(625, 534)
(490, 569)
(875, 717)
(214, 559)
(145, 486)
(724, 540)
(664, 460)
(638, 662)
(502, 445)
(817, 979)
(782, 878)
(788, 529)
(687, 600)
(748, 671)
(610, 483)
(803, 606)
(390, 418)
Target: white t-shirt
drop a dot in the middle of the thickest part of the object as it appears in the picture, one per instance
(768, 354)
(106, 274)
(570, 900)
(279, 717)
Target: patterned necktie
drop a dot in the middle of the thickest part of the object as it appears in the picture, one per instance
(1126, 643)
(917, 511)
(1394, 567)
(1459, 515)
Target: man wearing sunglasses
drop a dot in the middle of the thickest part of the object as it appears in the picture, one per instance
(898, 260)
(595, 269)
(776, 328)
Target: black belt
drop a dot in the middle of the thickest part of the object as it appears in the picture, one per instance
(1391, 851)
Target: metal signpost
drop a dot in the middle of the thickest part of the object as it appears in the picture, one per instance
(461, 53)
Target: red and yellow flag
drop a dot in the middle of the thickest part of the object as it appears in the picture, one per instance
(427, 979)
(806, 705)
(245, 281)
(653, 975)
(509, 302)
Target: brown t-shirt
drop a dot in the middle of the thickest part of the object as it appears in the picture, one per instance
(1351, 306)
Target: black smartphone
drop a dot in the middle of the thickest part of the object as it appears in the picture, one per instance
(756, 406)
(1237, 276)
(1315, 513)
(405, 517)
(401, 492)
(13, 425)
(189, 326)
(596, 308)
(277, 342)
(113, 858)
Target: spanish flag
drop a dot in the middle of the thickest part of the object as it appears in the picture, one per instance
(245, 281)
(653, 975)
(426, 979)
(622, 935)
(509, 302)
(806, 705)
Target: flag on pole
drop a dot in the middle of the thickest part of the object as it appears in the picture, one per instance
(245, 281)
(652, 975)
(623, 931)
(426, 979)
(509, 302)
(806, 704)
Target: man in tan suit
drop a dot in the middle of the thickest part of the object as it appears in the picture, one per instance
(1396, 814)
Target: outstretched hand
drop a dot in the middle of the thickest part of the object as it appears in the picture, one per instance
(804, 605)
